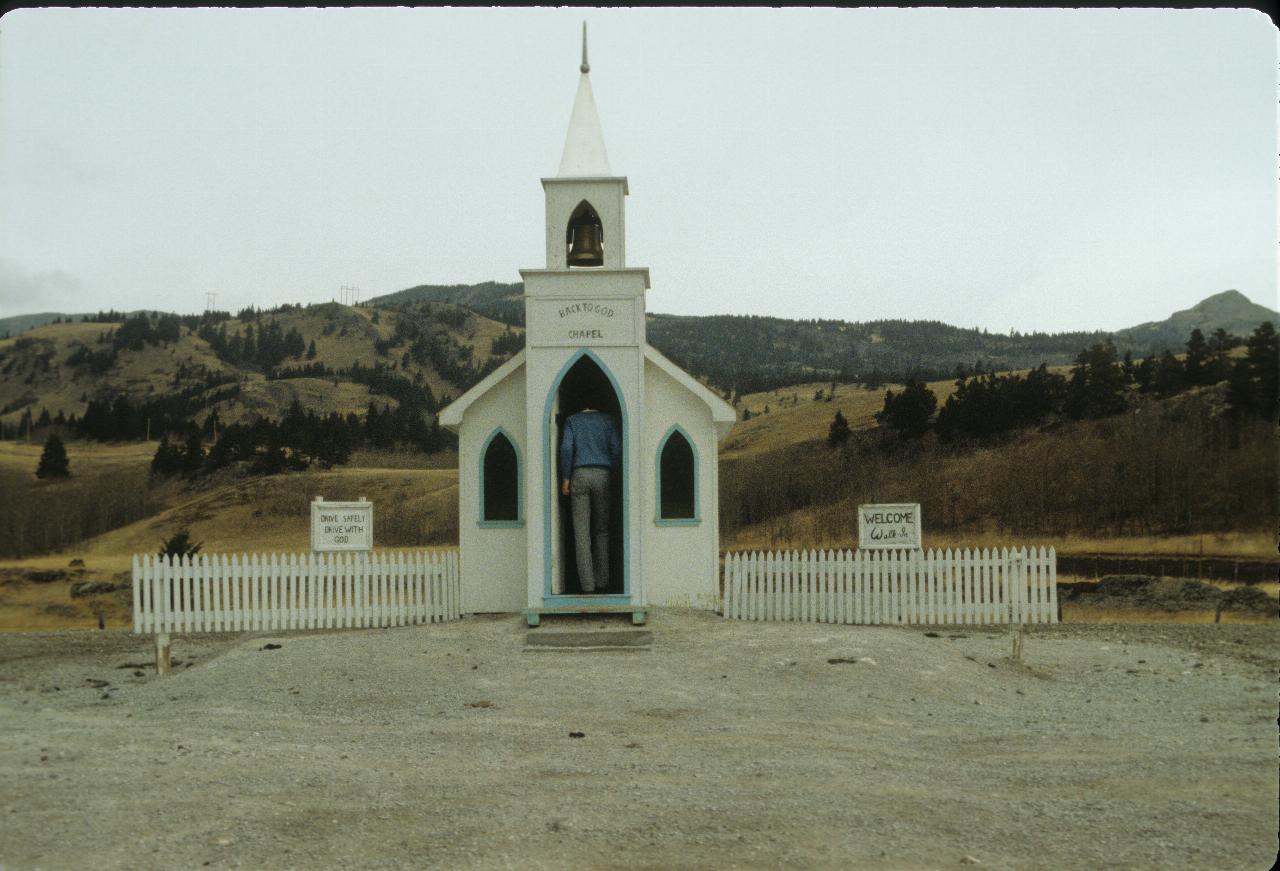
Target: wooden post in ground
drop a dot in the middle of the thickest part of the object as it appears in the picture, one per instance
(163, 662)
(1017, 634)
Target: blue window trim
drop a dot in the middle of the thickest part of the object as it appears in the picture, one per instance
(548, 485)
(484, 452)
(657, 475)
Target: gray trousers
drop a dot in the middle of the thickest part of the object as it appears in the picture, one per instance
(589, 499)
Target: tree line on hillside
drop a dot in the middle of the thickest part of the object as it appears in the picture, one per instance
(1098, 386)
(1176, 468)
(299, 439)
(500, 302)
(1203, 463)
(426, 332)
(379, 378)
(265, 347)
(120, 419)
(784, 352)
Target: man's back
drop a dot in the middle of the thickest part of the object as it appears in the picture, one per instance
(590, 439)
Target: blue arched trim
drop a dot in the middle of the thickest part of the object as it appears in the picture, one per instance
(549, 486)
(657, 474)
(484, 452)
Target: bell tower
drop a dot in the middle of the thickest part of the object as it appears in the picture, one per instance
(585, 245)
(584, 347)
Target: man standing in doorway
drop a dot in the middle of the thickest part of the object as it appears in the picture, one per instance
(589, 452)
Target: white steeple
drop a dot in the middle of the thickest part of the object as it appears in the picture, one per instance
(584, 155)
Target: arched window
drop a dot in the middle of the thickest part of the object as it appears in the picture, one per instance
(500, 482)
(584, 237)
(677, 479)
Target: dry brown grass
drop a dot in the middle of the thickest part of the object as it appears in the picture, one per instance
(375, 458)
(41, 607)
(412, 507)
(109, 486)
(813, 527)
(260, 398)
(807, 419)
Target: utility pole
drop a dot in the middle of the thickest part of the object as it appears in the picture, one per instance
(210, 300)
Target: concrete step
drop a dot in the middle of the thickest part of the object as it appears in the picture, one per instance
(547, 638)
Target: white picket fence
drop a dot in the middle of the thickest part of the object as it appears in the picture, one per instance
(893, 586)
(232, 593)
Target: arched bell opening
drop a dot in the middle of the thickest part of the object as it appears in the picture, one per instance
(584, 238)
(586, 386)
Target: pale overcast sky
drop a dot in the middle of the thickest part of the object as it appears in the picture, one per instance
(1028, 169)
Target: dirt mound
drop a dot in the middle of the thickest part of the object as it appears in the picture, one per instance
(1167, 594)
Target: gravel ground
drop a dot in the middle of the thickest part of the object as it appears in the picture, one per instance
(725, 745)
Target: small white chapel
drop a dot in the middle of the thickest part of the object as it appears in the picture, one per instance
(585, 348)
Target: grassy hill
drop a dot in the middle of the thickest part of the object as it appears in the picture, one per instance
(61, 367)
(15, 324)
(1230, 310)
(1170, 476)
(789, 352)
(493, 299)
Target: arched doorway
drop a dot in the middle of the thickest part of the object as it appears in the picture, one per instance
(583, 383)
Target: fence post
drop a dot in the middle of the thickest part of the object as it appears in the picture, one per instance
(163, 662)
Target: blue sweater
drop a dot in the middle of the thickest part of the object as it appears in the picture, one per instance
(590, 439)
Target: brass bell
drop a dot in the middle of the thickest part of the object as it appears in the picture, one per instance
(584, 245)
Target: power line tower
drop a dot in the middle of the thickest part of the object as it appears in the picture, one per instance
(350, 294)
(210, 300)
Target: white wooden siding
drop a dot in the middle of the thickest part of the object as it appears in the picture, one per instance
(893, 586)
(239, 592)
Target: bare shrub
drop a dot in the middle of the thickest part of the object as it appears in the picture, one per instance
(1161, 471)
(41, 517)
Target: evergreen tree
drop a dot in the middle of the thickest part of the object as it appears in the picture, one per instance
(193, 454)
(1254, 382)
(311, 350)
(839, 432)
(1170, 377)
(167, 459)
(1219, 365)
(1096, 388)
(1196, 365)
(178, 545)
(908, 412)
(53, 460)
(249, 349)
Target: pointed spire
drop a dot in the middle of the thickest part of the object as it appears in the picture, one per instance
(584, 153)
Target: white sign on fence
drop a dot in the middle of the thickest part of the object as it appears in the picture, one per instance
(889, 525)
(341, 526)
